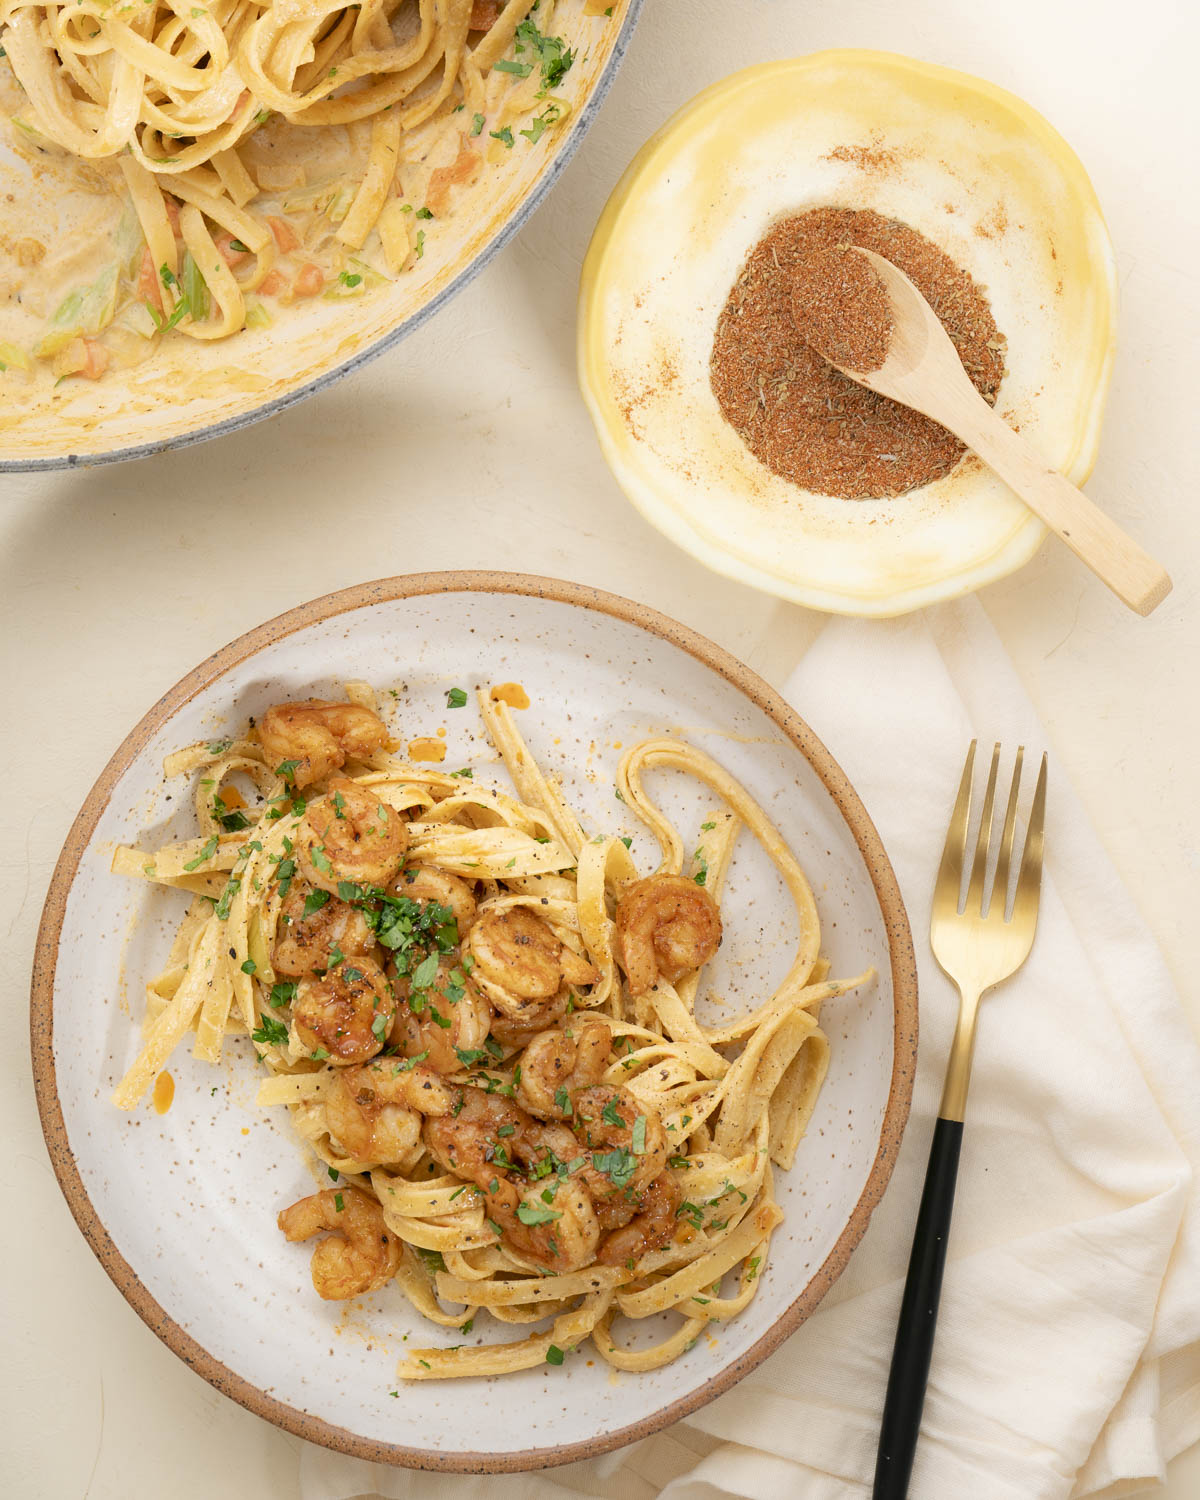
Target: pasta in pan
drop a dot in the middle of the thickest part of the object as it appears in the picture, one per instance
(269, 150)
(483, 1023)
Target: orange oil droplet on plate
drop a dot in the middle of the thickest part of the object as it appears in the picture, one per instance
(164, 1092)
(511, 693)
(426, 749)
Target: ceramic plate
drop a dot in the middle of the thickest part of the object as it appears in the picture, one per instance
(180, 1208)
(188, 391)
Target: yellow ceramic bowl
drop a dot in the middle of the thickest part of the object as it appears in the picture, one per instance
(970, 166)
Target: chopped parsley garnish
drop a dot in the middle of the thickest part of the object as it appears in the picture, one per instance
(313, 902)
(707, 827)
(270, 1032)
(618, 1166)
(283, 993)
(232, 886)
(551, 52)
(692, 1212)
(504, 135)
(424, 213)
(611, 1115)
(249, 966)
(409, 1063)
(638, 1141)
(541, 123)
(554, 1355)
(506, 65)
(338, 1202)
(456, 698)
(425, 972)
(562, 1100)
(528, 1214)
(287, 769)
(351, 279)
(321, 860)
(218, 747)
(470, 1056)
(209, 849)
(477, 125)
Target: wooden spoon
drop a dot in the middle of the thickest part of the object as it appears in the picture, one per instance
(923, 370)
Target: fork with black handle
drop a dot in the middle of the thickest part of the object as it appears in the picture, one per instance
(978, 947)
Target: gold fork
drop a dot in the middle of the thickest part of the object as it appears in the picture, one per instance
(978, 947)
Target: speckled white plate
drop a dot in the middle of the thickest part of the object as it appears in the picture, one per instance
(180, 1208)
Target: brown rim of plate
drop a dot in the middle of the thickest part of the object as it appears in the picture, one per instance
(887, 891)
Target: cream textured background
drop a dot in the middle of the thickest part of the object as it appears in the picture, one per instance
(468, 446)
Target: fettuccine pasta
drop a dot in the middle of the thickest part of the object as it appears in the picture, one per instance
(270, 150)
(482, 1021)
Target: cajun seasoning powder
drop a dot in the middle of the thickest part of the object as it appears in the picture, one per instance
(807, 421)
(842, 309)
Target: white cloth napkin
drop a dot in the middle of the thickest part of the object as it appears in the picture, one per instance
(1068, 1349)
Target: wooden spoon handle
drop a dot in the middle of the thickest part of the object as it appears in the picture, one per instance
(1115, 558)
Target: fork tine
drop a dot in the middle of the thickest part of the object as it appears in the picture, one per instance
(1029, 882)
(983, 842)
(949, 875)
(1004, 860)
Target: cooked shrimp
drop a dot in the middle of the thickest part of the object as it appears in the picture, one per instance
(652, 1227)
(520, 953)
(436, 1023)
(308, 944)
(557, 1064)
(516, 1021)
(350, 835)
(466, 1142)
(361, 1255)
(625, 1156)
(346, 1013)
(549, 1221)
(667, 925)
(373, 1111)
(319, 737)
(424, 883)
(559, 1230)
